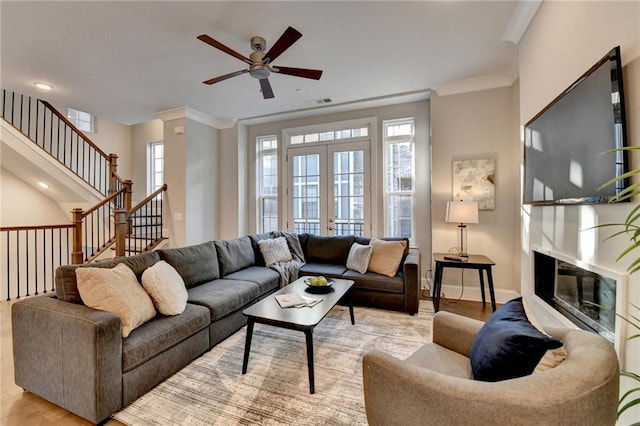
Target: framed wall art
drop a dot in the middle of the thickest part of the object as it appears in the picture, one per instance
(474, 180)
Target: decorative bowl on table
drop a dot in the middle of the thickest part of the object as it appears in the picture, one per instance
(319, 284)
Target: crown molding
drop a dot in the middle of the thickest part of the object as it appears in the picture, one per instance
(192, 114)
(522, 16)
(476, 84)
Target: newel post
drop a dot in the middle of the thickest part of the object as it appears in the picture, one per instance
(128, 189)
(113, 172)
(121, 219)
(77, 254)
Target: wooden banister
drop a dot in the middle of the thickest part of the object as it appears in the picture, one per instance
(149, 198)
(74, 128)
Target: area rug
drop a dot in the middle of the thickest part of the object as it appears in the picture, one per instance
(212, 391)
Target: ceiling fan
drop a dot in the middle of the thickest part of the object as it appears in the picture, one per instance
(260, 62)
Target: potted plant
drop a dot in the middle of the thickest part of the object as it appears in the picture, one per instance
(631, 229)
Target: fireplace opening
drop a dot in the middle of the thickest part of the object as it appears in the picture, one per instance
(585, 297)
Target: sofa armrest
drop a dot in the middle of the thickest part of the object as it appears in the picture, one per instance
(68, 354)
(411, 276)
(455, 332)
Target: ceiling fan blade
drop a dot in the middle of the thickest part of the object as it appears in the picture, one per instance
(224, 77)
(267, 92)
(299, 72)
(225, 49)
(290, 36)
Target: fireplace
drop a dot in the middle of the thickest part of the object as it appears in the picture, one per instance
(586, 295)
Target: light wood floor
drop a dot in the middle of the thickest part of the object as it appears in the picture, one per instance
(21, 408)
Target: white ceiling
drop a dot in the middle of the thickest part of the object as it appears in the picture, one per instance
(128, 60)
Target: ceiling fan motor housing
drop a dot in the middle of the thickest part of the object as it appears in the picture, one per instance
(258, 44)
(258, 69)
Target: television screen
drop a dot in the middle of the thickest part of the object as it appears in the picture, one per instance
(566, 144)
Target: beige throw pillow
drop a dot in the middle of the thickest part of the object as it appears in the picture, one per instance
(275, 250)
(553, 357)
(386, 256)
(359, 257)
(116, 290)
(166, 288)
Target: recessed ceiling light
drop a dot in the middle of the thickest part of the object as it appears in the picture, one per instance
(43, 86)
(44, 185)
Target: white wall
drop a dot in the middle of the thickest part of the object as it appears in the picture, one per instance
(142, 135)
(115, 138)
(191, 174)
(22, 204)
(201, 169)
(481, 124)
(563, 41)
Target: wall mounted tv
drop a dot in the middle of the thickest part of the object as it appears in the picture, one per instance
(565, 159)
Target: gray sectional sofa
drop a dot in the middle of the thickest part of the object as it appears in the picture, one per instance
(75, 356)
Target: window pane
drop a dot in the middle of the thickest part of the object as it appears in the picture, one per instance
(297, 139)
(327, 136)
(311, 137)
(267, 183)
(399, 177)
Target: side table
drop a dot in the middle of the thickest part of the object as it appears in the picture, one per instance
(476, 261)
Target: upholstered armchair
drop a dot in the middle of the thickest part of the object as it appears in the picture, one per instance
(434, 386)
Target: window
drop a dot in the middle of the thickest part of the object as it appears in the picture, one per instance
(267, 185)
(399, 185)
(82, 120)
(156, 166)
(334, 135)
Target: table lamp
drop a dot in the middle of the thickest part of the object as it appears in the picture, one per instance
(462, 212)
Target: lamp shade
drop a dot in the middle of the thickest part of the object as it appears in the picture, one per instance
(462, 212)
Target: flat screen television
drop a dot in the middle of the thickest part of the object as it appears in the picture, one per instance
(566, 144)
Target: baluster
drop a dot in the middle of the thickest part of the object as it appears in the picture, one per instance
(8, 265)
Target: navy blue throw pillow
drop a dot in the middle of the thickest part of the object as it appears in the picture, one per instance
(508, 345)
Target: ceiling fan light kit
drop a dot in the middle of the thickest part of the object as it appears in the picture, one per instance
(259, 61)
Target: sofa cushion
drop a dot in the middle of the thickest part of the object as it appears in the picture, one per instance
(160, 334)
(325, 269)
(234, 255)
(266, 278)
(275, 250)
(67, 286)
(118, 291)
(166, 288)
(196, 264)
(323, 249)
(508, 345)
(376, 282)
(359, 256)
(386, 256)
(224, 297)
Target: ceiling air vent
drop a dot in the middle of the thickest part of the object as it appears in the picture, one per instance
(323, 101)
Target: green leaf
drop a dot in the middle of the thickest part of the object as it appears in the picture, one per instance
(628, 405)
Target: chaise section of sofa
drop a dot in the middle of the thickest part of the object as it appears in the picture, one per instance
(328, 256)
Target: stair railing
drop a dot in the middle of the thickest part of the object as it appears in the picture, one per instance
(141, 228)
(31, 255)
(95, 229)
(49, 129)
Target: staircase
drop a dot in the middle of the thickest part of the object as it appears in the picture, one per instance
(111, 227)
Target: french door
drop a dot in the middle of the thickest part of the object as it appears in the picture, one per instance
(329, 189)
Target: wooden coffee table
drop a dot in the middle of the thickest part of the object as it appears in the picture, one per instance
(268, 311)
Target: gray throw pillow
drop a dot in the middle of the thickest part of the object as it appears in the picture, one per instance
(359, 256)
(275, 250)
